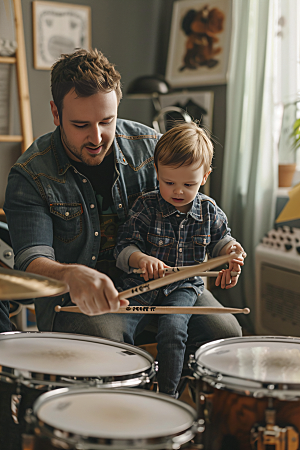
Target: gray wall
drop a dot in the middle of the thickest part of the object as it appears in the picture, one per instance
(134, 35)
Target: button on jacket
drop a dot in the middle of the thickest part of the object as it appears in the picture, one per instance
(158, 229)
(51, 208)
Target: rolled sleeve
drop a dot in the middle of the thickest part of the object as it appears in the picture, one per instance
(123, 258)
(25, 257)
(218, 247)
(29, 220)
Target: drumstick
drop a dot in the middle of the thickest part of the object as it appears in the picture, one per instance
(192, 271)
(163, 310)
(178, 269)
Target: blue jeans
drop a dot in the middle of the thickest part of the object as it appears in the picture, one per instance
(171, 335)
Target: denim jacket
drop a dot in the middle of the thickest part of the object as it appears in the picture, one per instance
(51, 208)
(158, 229)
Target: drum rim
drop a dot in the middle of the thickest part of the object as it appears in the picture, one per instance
(160, 442)
(226, 381)
(36, 379)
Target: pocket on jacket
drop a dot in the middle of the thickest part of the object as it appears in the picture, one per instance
(67, 220)
(199, 244)
(160, 246)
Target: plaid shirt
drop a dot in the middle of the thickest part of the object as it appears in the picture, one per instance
(158, 229)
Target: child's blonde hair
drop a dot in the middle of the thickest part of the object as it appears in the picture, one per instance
(183, 145)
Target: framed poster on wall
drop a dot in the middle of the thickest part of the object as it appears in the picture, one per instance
(199, 43)
(58, 28)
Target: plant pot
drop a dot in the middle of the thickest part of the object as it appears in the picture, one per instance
(286, 174)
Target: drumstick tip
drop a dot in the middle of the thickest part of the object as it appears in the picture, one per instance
(246, 310)
(57, 308)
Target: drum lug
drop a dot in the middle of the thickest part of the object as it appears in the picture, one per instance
(96, 383)
(14, 407)
(270, 435)
(192, 366)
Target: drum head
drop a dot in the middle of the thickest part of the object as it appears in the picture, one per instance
(262, 360)
(112, 414)
(69, 355)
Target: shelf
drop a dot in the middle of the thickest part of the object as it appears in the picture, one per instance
(10, 138)
(8, 60)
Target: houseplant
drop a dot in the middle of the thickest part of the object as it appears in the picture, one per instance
(289, 143)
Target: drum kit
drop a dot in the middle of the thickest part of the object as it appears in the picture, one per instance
(76, 392)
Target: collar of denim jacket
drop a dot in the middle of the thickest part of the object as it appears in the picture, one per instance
(134, 144)
(167, 209)
(61, 158)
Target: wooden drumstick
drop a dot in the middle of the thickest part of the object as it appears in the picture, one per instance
(191, 271)
(180, 269)
(163, 310)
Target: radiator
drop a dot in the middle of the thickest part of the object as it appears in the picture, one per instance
(277, 262)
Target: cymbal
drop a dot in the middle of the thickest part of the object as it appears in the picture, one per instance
(17, 285)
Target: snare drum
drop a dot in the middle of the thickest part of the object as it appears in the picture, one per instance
(32, 363)
(89, 418)
(247, 390)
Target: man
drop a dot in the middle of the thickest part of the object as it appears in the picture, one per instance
(69, 192)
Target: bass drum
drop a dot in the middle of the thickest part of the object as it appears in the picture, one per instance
(247, 391)
(33, 363)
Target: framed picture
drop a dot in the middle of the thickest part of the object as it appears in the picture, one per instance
(198, 104)
(59, 28)
(199, 43)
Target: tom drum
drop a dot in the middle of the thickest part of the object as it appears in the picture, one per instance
(111, 419)
(247, 391)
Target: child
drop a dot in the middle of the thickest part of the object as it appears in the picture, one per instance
(174, 226)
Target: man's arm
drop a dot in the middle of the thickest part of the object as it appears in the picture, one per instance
(31, 230)
(92, 291)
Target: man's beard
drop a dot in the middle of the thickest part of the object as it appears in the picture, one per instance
(78, 153)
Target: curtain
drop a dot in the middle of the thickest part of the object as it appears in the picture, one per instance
(250, 163)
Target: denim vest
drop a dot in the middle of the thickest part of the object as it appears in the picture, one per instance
(51, 208)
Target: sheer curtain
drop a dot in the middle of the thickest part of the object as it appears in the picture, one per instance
(250, 163)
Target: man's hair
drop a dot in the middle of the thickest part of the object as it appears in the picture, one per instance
(88, 72)
(183, 145)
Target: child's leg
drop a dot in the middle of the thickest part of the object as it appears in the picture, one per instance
(171, 339)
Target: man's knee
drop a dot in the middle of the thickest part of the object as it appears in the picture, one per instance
(109, 326)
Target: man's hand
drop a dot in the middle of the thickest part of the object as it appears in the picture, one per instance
(93, 292)
(224, 279)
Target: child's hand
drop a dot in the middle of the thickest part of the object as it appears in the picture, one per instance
(152, 267)
(224, 279)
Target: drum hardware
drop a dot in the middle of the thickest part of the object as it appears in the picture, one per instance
(270, 434)
(197, 442)
(15, 405)
(6, 255)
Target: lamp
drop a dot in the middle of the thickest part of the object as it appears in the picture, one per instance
(149, 86)
(152, 86)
